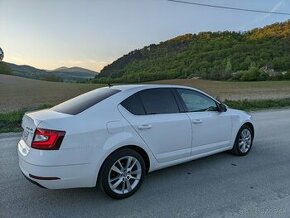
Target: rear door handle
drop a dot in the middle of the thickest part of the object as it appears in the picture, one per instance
(144, 126)
(197, 121)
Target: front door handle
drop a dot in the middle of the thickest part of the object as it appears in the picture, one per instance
(144, 126)
(197, 121)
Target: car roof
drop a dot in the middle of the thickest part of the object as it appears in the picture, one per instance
(147, 86)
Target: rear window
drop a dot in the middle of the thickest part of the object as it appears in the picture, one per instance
(80, 103)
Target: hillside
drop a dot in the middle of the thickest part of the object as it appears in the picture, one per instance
(59, 74)
(209, 55)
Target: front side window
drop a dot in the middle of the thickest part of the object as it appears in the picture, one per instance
(196, 102)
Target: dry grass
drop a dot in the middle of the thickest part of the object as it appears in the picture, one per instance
(17, 93)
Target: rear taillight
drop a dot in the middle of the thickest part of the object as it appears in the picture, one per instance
(46, 139)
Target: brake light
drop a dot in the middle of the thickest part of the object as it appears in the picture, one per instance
(46, 139)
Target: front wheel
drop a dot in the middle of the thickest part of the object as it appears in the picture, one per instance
(243, 142)
(122, 173)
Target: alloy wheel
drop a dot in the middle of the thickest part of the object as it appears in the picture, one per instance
(124, 175)
(245, 140)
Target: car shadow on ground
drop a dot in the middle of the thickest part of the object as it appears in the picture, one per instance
(157, 182)
(175, 188)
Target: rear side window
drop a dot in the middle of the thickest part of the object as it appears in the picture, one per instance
(134, 105)
(159, 101)
(80, 103)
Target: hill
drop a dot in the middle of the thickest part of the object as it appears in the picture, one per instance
(74, 69)
(209, 55)
(74, 73)
(59, 74)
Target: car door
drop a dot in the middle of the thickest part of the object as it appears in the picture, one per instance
(211, 129)
(155, 115)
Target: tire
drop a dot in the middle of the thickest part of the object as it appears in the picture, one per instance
(115, 170)
(243, 142)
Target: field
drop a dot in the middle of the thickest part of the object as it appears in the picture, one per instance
(18, 93)
(238, 90)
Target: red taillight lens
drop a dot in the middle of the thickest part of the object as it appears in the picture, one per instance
(46, 139)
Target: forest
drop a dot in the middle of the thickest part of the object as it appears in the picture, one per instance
(258, 54)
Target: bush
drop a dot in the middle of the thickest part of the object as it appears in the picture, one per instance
(252, 74)
(287, 75)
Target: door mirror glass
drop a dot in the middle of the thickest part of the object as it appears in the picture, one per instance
(222, 107)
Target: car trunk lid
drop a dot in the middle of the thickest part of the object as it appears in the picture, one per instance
(31, 121)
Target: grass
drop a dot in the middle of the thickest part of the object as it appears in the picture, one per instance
(233, 90)
(253, 105)
(11, 121)
(18, 95)
(17, 92)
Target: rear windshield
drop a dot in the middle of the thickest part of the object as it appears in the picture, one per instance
(80, 103)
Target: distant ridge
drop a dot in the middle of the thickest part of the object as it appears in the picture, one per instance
(70, 74)
(74, 69)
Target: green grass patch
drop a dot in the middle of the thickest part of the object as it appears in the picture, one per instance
(11, 121)
(252, 105)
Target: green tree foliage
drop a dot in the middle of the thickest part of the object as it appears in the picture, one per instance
(253, 74)
(210, 55)
(4, 68)
(287, 75)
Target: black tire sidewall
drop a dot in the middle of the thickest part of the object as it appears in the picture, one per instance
(105, 169)
(236, 149)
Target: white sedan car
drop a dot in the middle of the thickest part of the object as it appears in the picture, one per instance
(114, 136)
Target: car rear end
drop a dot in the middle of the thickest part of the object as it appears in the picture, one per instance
(50, 155)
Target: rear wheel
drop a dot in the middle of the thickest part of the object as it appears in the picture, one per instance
(243, 142)
(122, 173)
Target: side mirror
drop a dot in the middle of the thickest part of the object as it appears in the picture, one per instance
(222, 107)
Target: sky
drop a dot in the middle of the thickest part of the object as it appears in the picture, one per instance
(92, 34)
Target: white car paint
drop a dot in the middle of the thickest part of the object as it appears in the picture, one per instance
(92, 135)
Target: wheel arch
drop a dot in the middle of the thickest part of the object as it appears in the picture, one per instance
(251, 126)
(136, 148)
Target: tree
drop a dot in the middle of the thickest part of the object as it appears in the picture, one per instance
(4, 68)
(251, 75)
(228, 70)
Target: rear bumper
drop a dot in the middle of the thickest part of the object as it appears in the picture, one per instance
(32, 181)
(70, 176)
